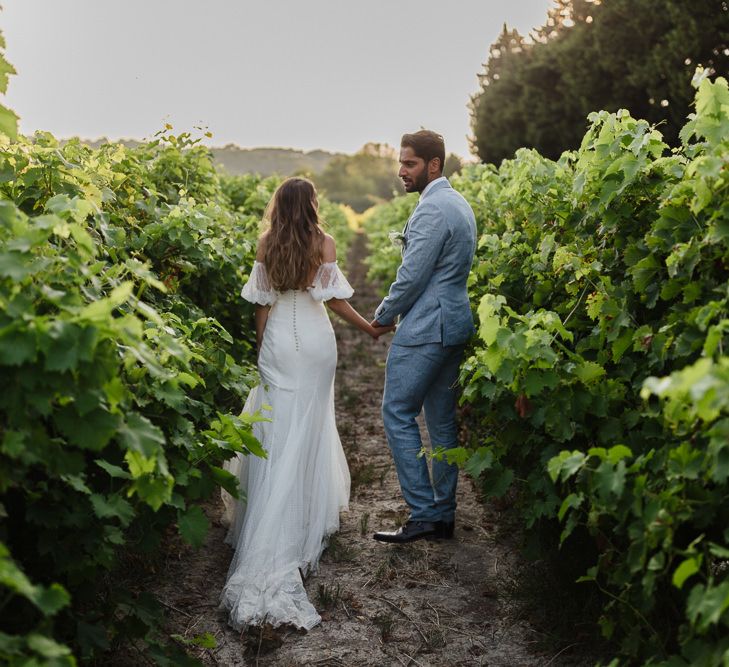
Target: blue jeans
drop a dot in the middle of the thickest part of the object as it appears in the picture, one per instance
(423, 377)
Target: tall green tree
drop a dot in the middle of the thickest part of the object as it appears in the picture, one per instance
(453, 165)
(537, 91)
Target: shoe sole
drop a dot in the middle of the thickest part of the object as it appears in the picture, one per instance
(397, 541)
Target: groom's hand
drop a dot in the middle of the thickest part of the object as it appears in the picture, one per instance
(380, 329)
(376, 324)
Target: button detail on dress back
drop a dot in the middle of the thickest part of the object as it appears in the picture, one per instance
(296, 332)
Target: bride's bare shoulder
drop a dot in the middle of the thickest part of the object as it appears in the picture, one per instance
(329, 249)
(261, 249)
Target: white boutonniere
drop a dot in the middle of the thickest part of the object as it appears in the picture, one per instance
(397, 239)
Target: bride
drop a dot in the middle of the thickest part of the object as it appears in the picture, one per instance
(293, 496)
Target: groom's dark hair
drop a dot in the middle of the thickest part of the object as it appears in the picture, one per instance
(426, 144)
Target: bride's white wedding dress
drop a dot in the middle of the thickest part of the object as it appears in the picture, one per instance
(295, 495)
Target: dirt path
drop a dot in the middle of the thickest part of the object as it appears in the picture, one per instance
(434, 604)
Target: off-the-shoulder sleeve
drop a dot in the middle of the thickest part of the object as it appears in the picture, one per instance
(258, 289)
(330, 283)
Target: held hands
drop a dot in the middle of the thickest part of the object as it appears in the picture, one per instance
(378, 329)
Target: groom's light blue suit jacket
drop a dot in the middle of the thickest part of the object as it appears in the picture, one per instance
(429, 293)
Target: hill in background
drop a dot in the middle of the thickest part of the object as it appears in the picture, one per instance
(267, 161)
(263, 161)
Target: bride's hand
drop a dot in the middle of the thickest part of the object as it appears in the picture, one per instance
(379, 330)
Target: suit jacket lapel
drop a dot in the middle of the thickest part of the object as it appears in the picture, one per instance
(407, 224)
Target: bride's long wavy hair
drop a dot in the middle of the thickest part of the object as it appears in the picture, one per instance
(294, 238)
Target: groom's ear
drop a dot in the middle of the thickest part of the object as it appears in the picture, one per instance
(435, 168)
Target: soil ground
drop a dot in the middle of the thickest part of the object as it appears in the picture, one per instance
(430, 604)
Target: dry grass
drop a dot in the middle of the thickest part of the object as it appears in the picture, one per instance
(339, 550)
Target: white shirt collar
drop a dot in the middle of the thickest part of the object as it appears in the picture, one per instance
(431, 184)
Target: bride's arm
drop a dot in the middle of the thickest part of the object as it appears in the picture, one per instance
(345, 310)
(261, 311)
(342, 307)
(261, 319)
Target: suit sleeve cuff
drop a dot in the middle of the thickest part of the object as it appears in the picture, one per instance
(382, 317)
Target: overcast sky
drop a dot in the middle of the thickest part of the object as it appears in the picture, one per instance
(331, 74)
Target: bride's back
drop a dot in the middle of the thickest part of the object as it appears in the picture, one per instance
(294, 245)
(318, 257)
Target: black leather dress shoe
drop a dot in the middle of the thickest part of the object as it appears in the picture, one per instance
(411, 531)
(444, 530)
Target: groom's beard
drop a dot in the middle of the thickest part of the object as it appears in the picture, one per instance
(422, 181)
(419, 184)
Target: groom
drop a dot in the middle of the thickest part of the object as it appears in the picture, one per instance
(430, 296)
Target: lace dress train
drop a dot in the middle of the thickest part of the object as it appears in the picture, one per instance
(294, 496)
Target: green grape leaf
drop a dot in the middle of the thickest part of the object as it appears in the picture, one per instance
(488, 313)
(537, 379)
(481, 460)
(719, 551)
(52, 599)
(588, 371)
(16, 265)
(48, 600)
(686, 569)
(617, 453)
(609, 479)
(621, 344)
(83, 239)
(455, 455)
(101, 309)
(113, 506)
(47, 647)
(6, 69)
(498, 481)
(17, 346)
(566, 464)
(706, 605)
(138, 434)
(13, 444)
(65, 343)
(114, 471)
(193, 525)
(8, 122)
(644, 272)
(572, 501)
(225, 480)
(92, 430)
(153, 490)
